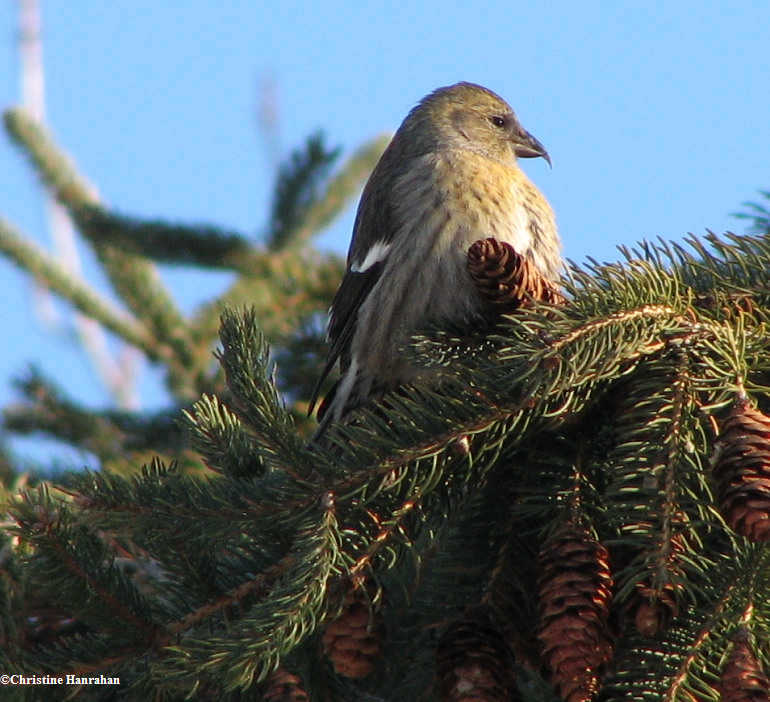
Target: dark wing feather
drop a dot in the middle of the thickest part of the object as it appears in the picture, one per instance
(374, 225)
(353, 291)
(350, 296)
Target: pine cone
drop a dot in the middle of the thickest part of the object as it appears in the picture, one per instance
(741, 469)
(575, 586)
(473, 662)
(283, 686)
(505, 279)
(743, 680)
(656, 602)
(655, 611)
(352, 642)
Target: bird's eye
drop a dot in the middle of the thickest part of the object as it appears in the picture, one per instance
(498, 121)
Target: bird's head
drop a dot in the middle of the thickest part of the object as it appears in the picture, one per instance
(468, 116)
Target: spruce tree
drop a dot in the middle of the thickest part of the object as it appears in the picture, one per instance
(575, 506)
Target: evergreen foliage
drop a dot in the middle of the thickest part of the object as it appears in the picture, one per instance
(757, 213)
(453, 532)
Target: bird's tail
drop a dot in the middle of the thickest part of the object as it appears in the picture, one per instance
(352, 390)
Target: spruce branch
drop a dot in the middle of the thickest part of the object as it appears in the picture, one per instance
(737, 264)
(283, 288)
(255, 644)
(55, 168)
(341, 188)
(440, 553)
(257, 588)
(109, 434)
(710, 273)
(296, 189)
(134, 278)
(73, 567)
(33, 259)
(51, 412)
(689, 658)
(757, 214)
(657, 482)
(220, 437)
(300, 211)
(197, 245)
(166, 513)
(245, 358)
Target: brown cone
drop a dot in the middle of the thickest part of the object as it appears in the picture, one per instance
(743, 680)
(575, 586)
(473, 662)
(656, 604)
(505, 279)
(741, 469)
(655, 610)
(353, 641)
(283, 686)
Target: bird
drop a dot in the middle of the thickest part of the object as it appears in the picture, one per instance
(449, 177)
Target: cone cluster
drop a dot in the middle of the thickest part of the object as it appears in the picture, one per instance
(743, 679)
(353, 641)
(473, 662)
(506, 279)
(283, 686)
(575, 587)
(741, 469)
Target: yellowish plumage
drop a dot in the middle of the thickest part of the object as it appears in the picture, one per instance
(449, 177)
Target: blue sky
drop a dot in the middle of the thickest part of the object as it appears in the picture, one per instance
(655, 116)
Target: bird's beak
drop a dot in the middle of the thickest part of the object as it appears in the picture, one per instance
(526, 146)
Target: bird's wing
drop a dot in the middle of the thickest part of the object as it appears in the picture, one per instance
(372, 236)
